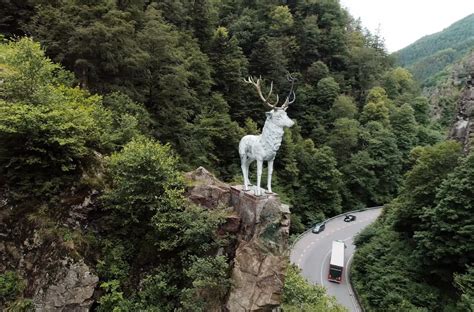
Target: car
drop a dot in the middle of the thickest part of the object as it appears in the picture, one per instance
(349, 218)
(319, 227)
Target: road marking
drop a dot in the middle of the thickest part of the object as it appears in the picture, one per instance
(322, 266)
(349, 285)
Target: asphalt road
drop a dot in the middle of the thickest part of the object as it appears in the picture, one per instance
(312, 254)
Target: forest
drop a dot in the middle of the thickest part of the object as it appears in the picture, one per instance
(428, 56)
(124, 96)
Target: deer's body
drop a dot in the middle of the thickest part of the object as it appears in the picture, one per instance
(263, 147)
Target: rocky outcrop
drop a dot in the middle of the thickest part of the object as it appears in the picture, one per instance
(262, 253)
(71, 290)
(463, 127)
(261, 225)
(206, 190)
(39, 251)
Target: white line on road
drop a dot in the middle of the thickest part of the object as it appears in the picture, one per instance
(322, 266)
(349, 286)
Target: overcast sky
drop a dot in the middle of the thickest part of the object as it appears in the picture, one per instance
(404, 21)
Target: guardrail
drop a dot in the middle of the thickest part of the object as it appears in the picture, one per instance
(332, 218)
(354, 291)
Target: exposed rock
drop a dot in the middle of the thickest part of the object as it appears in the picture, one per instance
(262, 253)
(71, 290)
(206, 190)
(463, 127)
(232, 224)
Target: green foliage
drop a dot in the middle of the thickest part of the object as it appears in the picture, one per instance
(378, 112)
(408, 259)
(344, 138)
(430, 167)
(48, 130)
(465, 283)
(322, 181)
(432, 53)
(173, 71)
(210, 283)
(299, 295)
(11, 286)
(145, 181)
(421, 109)
(327, 91)
(446, 236)
(397, 82)
(343, 107)
(281, 19)
(114, 264)
(317, 71)
(387, 278)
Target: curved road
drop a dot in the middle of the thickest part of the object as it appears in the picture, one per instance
(312, 253)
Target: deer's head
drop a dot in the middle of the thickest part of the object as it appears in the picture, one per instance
(279, 117)
(278, 114)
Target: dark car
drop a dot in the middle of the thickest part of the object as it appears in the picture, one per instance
(319, 227)
(349, 218)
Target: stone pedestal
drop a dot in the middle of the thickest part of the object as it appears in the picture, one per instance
(262, 253)
(249, 208)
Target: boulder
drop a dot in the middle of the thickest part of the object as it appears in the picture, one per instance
(71, 290)
(206, 190)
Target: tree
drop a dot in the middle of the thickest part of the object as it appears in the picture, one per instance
(445, 237)
(465, 283)
(320, 181)
(210, 283)
(421, 109)
(145, 182)
(281, 19)
(377, 112)
(343, 107)
(327, 91)
(431, 165)
(299, 295)
(48, 131)
(399, 81)
(404, 127)
(344, 138)
(230, 66)
(317, 71)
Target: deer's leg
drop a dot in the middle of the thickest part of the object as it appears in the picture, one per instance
(259, 176)
(245, 170)
(247, 165)
(269, 180)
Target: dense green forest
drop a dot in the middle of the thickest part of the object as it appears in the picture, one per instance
(419, 255)
(429, 55)
(123, 96)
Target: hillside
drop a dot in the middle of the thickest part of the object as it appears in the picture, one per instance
(108, 103)
(430, 54)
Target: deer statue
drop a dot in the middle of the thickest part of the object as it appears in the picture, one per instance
(263, 147)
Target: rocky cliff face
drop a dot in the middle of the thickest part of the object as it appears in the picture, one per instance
(260, 254)
(58, 277)
(54, 274)
(463, 127)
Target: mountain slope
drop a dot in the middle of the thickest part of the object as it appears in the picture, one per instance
(432, 53)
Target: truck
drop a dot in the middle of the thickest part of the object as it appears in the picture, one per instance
(336, 265)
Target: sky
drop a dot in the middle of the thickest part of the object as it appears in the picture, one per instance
(402, 22)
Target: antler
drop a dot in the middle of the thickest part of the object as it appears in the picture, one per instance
(289, 100)
(259, 90)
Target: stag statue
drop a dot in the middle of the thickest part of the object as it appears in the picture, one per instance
(263, 147)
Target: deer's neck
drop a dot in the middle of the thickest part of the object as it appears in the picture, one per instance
(272, 136)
